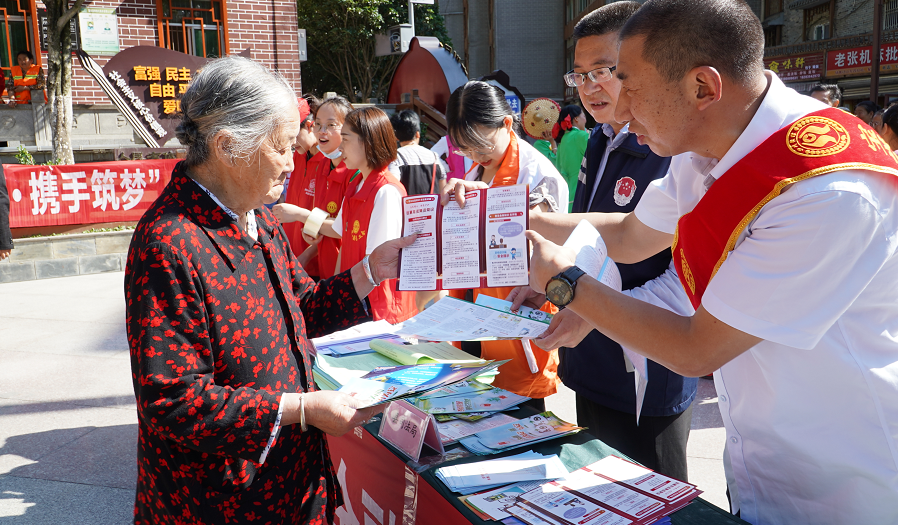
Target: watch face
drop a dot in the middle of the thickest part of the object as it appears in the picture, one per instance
(559, 292)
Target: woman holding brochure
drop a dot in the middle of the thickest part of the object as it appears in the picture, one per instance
(331, 177)
(231, 426)
(482, 124)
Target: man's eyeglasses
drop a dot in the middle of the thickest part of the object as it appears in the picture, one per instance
(599, 74)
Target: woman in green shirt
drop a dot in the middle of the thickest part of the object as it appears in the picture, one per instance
(571, 137)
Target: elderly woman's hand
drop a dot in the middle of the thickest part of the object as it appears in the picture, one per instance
(384, 260)
(458, 187)
(333, 413)
(290, 212)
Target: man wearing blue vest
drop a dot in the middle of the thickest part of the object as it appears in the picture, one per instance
(615, 172)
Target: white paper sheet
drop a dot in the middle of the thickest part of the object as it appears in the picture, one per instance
(419, 261)
(461, 243)
(506, 244)
(451, 319)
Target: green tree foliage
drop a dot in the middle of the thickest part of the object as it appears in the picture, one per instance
(341, 44)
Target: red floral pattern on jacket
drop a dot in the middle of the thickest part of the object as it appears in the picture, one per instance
(218, 326)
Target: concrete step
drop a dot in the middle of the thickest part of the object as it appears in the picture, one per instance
(66, 255)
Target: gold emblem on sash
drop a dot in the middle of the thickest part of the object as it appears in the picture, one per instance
(687, 273)
(332, 207)
(355, 227)
(817, 137)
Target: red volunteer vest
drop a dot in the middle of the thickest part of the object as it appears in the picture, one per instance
(386, 301)
(301, 192)
(822, 142)
(330, 186)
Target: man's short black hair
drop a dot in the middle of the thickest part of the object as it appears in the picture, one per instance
(405, 124)
(606, 19)
(684, 34)
(26, 53)
(833, 92)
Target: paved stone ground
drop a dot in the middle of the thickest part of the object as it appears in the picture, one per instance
(68, 427)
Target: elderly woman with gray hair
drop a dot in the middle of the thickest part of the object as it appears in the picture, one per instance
(231, 426)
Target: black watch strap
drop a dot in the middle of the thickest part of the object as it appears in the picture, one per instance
(572, 274)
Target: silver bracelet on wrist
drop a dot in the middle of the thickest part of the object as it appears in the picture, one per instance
(368, 273)
(302, 413)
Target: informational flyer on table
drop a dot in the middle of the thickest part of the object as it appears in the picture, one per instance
(451, 319)
(479, 245)
(506, 222)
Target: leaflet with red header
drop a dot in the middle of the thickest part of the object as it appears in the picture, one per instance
(610, 491)
(478, 246)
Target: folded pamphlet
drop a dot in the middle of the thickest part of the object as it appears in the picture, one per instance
(451, 319)
(534, 429)
(613, 491)
(398, 382)
(493, 399)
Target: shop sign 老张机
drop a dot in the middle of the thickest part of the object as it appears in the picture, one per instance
(857, 61)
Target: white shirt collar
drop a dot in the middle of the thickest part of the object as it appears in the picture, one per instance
(252, 229)
(780, 106)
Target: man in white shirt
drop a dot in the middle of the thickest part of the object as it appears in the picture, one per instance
(799, 320)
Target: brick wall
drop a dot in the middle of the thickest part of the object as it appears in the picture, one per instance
(267, 28)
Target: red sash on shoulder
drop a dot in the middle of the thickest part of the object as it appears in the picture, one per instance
(816, 144)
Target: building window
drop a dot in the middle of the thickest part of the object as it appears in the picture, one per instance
(890, 15)
(773, 36)
(817, 23)
(195, 27)
(16, 31)
(772, 7)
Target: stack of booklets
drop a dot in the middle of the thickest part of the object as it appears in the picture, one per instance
(523, 432)
(612, 491)
(399, 382)
(468, 407)
(336, 365)
(468, 478)
(491, 400)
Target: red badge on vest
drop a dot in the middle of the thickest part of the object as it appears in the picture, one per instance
(624, 191)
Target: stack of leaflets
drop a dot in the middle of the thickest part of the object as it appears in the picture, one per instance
(610, 491)
(467, 478)
(355, 339)
(399, 382)
(534, 429)
(332, 372)
(455, 429)
(492, 400)
(341, 360)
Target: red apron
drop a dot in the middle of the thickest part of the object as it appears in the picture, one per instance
(330, 186)
(301, 192)
(386, 301)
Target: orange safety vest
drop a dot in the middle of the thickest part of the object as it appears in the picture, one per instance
(386, 301)
(25, 79)
(819, 143)
(515, 376)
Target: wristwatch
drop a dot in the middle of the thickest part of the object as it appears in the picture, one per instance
(560, 289)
